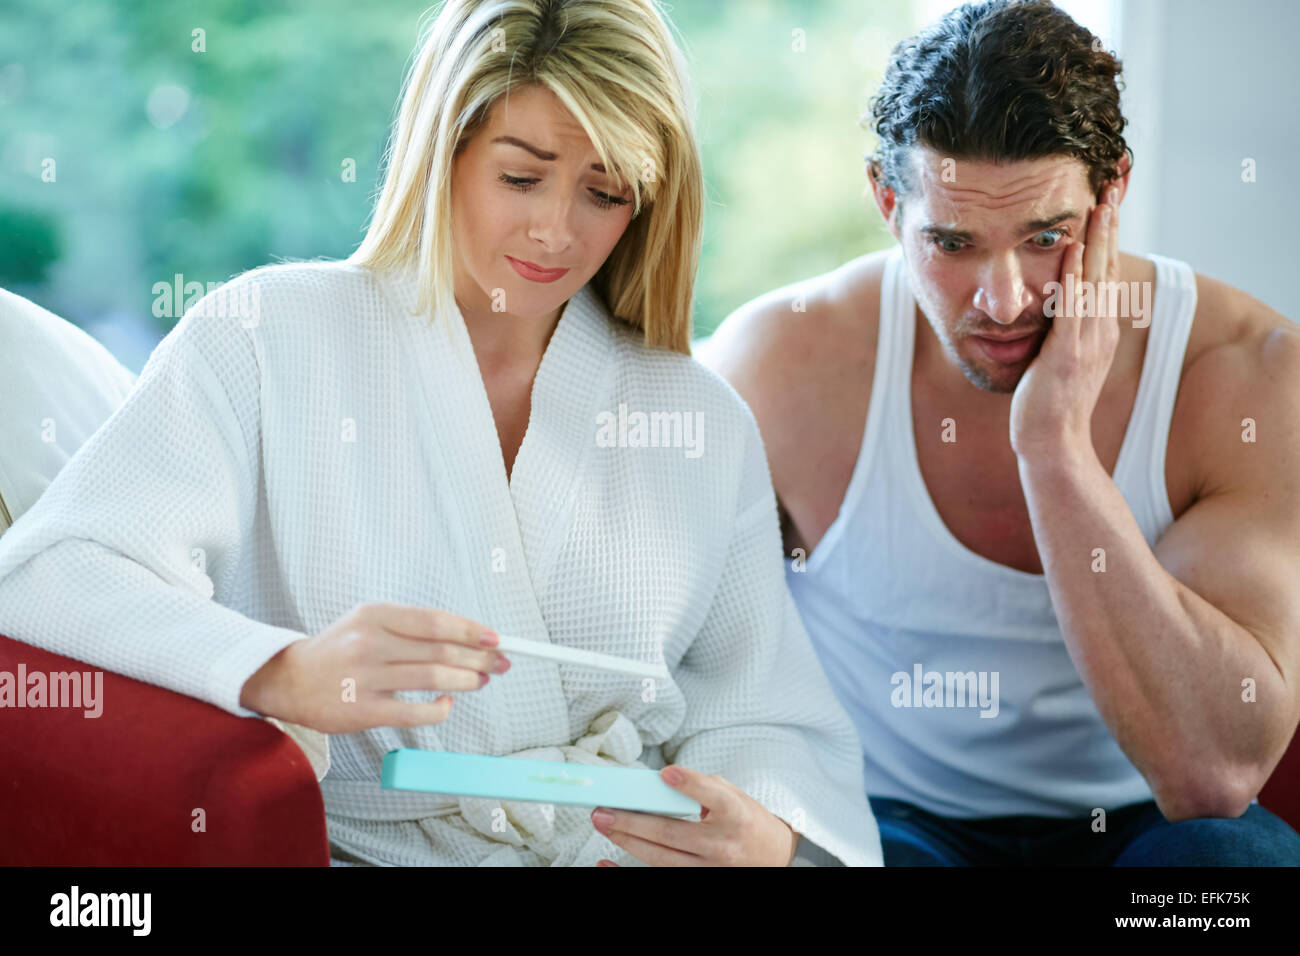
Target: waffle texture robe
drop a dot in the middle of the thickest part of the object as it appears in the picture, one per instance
(303, 442)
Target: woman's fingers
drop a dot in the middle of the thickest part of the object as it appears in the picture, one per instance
(395, 649)
(654, 853)
(390, 712)
(714, 793)
(426, 677)
(686, 836)
(429, 636)
(424, 623)
(344, 679)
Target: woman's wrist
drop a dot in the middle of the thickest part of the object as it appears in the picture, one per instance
(261, 692)
(794, 842)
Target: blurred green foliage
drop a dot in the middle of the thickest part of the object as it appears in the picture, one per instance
(32, 245)
(171, 160)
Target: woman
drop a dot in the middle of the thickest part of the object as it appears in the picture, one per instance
(403, 453)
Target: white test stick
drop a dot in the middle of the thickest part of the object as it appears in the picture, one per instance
(571, 655)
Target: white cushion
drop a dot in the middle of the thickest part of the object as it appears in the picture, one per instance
(57, 386)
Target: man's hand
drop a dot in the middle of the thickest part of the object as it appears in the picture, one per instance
(1175, 640)
(1053, 403)
(733, 829)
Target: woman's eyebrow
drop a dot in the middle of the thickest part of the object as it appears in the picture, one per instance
(539, 153)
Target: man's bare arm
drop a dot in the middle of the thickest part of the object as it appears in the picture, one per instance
(745, 350)
(1191, 650)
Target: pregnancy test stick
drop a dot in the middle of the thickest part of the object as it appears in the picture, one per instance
(571, 655)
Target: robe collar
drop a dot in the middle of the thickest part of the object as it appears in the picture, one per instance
(577, 363)
(511, 535)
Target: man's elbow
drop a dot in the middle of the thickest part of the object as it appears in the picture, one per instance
(1224, 794)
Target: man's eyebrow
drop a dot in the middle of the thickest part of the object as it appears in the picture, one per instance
(1038, 225)
(943, 232)
(539, 153)
(1034, 225)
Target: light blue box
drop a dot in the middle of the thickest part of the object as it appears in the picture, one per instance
(542, 781)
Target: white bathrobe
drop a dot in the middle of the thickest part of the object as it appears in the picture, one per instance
(302, 442)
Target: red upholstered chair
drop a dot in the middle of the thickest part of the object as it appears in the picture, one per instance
(122, 789)
(1282, 792)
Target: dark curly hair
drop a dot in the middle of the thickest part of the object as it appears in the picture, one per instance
(1001, 80)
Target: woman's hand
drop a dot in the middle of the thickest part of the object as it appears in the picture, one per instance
(734, 829)
(342, 680)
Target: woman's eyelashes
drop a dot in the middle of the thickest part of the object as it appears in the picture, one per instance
(524, 183)
(606, 201)
(521, 183)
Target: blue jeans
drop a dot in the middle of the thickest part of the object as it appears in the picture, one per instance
(1135, 835)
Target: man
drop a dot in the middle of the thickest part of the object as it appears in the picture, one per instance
(1044, 528)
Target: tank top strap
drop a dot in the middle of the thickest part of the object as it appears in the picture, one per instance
(898, 324)
(1140, 473)
(894, 337)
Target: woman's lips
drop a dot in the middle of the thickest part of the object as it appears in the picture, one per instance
(533, 272)
(1007, 351)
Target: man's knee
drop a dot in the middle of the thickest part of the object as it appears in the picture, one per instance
(1256, 838)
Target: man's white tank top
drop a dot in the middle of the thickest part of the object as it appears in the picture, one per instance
(890, 596)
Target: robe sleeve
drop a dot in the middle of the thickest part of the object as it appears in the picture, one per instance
(760, 711)
(117, 563)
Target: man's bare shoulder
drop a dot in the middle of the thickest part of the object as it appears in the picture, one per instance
(1236, 339)
(1240, 385)
(1228, 317)
(802, 357)
(789, 336)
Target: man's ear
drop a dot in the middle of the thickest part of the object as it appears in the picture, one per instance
(1124, 168)
(886, 199)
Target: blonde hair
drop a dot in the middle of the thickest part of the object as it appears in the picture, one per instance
(615, 66)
